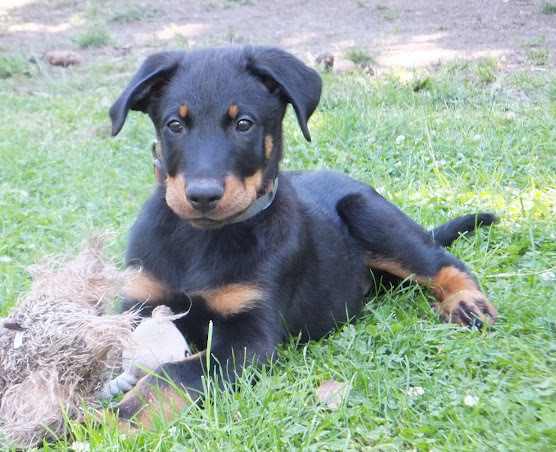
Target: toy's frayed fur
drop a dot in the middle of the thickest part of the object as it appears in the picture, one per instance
(58, 347)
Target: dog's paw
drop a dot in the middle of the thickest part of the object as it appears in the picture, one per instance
(150, 398)
(132, 410)
(467, 308)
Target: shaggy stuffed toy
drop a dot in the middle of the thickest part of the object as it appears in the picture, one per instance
(59, 347)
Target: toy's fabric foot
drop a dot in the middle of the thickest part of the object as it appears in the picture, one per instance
(120, 385)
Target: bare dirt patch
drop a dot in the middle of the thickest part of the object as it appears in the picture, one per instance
(520, 34)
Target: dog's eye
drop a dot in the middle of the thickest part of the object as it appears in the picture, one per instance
(175, 126)
(243, 125)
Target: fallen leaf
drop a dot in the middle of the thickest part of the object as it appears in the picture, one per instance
(332, 393)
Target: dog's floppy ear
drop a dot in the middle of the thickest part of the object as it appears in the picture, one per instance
(154, 71)
(300, 84)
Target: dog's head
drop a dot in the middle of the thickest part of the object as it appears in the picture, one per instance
(218, 118)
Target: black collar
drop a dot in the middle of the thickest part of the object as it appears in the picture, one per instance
(259, 204)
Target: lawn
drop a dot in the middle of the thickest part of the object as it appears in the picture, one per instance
(458, 138)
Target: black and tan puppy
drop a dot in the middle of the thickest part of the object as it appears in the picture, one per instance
(262, 254)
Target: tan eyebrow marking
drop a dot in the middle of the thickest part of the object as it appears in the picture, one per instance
(233, 111)
(183, 111)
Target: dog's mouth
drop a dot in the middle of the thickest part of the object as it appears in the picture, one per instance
(239, 203)
(261, 203)
(206, 222)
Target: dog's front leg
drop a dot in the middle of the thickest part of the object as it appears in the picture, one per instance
(236, 342)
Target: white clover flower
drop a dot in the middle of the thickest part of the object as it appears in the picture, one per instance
(470, 400)
(81, 446)
(547, 275)
(415, 391)
(400, 139)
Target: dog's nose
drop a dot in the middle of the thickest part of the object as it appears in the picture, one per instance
(204, 194)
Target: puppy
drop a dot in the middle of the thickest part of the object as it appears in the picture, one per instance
(259, 253)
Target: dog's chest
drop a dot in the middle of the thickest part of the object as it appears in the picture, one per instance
(205, 261)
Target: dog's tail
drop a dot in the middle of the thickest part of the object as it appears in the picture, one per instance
(446, 233)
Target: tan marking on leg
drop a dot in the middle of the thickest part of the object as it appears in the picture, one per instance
(165, 400)
(145, 287)
(183, 111)
(394, 268)
(460, 298)
(172, 401)
(268, 146)
(133, 402)
(233, 298)
(449, 281)
(146, 400)
(233, 111)
(458, 294)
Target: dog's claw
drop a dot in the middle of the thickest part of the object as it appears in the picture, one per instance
(476, 322)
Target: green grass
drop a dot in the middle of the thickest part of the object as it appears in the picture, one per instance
(486, 69)
(538, 57)
(537, 51)
(135, 13)
(455, 145)
(232, 3)
(548, 8)
(391, 15)
(94, 36)
(359, 56)
(12, 64)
